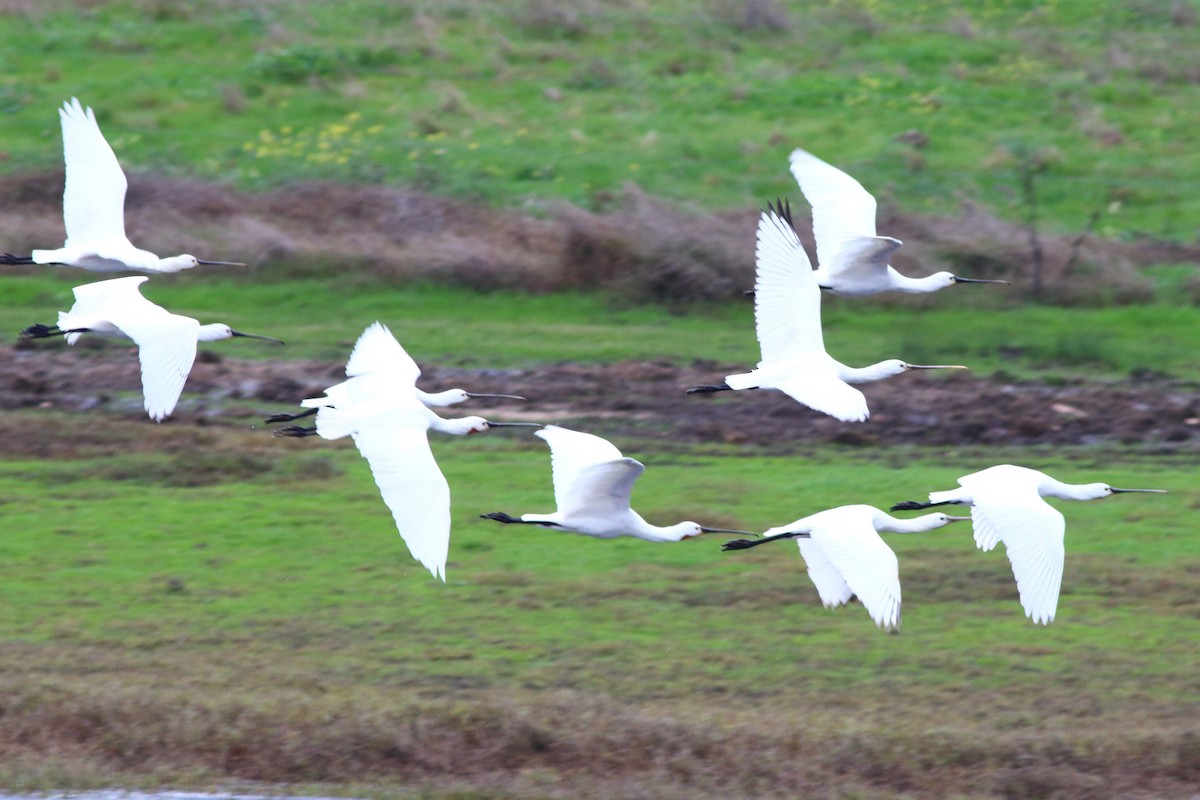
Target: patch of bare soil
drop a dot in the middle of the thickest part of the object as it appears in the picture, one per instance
(646, 397)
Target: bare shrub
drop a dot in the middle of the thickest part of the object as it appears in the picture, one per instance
(754, 16)
(551, 18)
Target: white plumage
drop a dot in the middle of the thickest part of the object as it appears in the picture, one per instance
(94, 207)
(592, 487)
(787, 316)
(166, 342)
(851, 258)
(1007, 506)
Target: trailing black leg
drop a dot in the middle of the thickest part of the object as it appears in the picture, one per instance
(9, 258)
(916, 505)
(40, 331)
(290, 417)
(295, 431)
(721, 387)
(507, 519)
(742, 544)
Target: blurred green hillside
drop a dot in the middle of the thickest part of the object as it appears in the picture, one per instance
(929, 104)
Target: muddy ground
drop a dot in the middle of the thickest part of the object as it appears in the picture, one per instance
(642, 397)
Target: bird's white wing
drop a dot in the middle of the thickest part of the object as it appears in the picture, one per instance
(787, 300)
(1032, 531)
(411, 483)
(94, 198)
(571, 452)
(864, 561)
(601, 490)
(861, 261)
(99, 299)
(832, 588)
(166, 350)
(842, 208)
(826, 393)
(378, 351)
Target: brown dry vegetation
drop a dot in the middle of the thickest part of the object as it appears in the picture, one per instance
(634, 244)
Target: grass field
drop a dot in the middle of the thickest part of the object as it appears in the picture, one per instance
(321, 318)
(197, 605)
(930, 104)
(260, 621)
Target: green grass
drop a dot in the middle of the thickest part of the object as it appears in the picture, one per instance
(525, 100)
(321, 318)
(279, 587)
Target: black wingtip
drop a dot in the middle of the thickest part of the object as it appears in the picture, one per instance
(782, 209)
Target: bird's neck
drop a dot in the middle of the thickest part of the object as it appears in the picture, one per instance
(903, 283)
(875, 372)
(653, 533)
(174, 264)
(1071, 491)
(212, 332)
(460, 426)
(925, 522)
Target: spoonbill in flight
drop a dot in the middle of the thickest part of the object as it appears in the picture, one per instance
(847, 558)
(851, 259)
(379, 409)
(787, 315)
(166, 342)
(94, 208)
(378, 351)
(592, 485)
(1007, 506)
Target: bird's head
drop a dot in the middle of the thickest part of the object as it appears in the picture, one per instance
(215, 331)
(690, 530)
(186, 261)
(1096, 491)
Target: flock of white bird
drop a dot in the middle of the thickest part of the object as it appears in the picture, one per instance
(380, 407)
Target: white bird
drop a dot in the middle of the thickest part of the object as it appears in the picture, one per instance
(787, 315)
(379, 408)
(592, 485)
(851, 259)
(1007, 506)
(847, 558)
(166, 342)
(377, 351)
(94, 208)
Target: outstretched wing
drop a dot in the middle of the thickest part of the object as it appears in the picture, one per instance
(572, 452)
(863, 560)
(166, 355)
(842, 209)
(94, 198)
(823, 391)
(831, 586)
(378, 351)
(787, 300)
(1033, 532)
(166, 342)
(601, 490)
(410, 482)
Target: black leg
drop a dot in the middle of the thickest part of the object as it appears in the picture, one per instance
(915, 505)
(9, 258)
(290, 417)
(295, 431)
(721, 387)
(39, 331)
(742, 544)
(500, 516)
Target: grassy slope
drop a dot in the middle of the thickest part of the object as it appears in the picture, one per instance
(694, 101)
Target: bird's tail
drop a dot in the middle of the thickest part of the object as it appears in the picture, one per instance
(334, 423)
